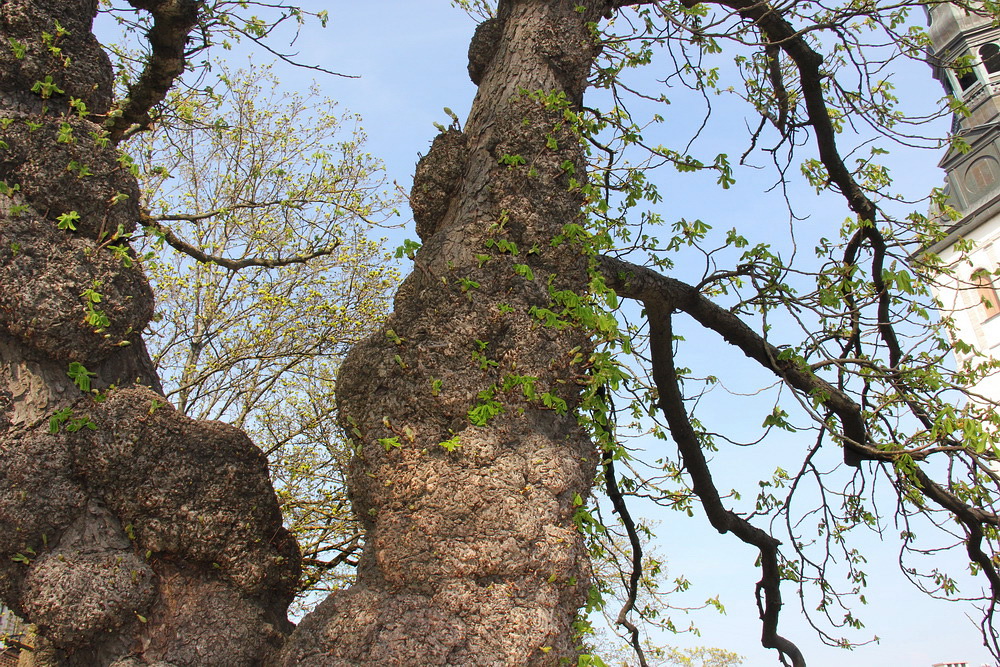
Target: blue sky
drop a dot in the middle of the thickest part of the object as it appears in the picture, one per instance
(411, 61)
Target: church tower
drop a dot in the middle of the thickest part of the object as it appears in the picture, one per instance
(965, 57)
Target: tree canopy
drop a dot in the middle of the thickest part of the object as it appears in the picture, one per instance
(279, 189)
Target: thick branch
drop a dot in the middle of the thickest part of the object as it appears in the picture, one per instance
(808, 62)
(173, 21)
(179, 244)
(778, 85)
(671, 402)
(779, 32)
(662, 295)
(973, 519)
(636, 282)
(618, 4)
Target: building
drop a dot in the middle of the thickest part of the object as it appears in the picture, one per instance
(10, 625)
(12, 637)
(970, 296)
(972, 246)
(9, 657)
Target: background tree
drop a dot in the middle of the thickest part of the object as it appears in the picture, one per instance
(277, 186)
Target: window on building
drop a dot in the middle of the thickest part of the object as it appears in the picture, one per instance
(982, 175)
(983, 281)
(990, 55)
(968, 79)
(963, 70)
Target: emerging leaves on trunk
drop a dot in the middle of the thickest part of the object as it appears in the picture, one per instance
(123, 525)
(470, 464)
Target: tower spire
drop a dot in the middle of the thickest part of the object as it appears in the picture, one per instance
(965, 57)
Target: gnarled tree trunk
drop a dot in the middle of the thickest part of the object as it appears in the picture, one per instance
(132, 535)
(464, 477)
(128, 533)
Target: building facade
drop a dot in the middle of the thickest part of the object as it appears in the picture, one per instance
(12, 637)
(965, 57)
(10, 625)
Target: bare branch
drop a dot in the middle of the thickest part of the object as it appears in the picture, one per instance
(615, 494)
(671, 402)
(183, 246)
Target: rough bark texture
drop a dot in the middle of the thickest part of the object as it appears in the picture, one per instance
(483, 48)
(472, 555)
(128, 533)
(437, 177)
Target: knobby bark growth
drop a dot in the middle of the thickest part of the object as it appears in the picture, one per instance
(464, 477)
(128, 533)
(133, 535)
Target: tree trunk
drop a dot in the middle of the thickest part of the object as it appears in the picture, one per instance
(128, 533)
(469, 466)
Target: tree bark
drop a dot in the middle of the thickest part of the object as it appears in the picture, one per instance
(472, 555)
(128, 533)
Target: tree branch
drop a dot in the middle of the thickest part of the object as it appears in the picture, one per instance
(636, 282)
(195, 217)
(671, 402)
(972, 519)
(183, 246)
(618, 502)
(173, 21)
(661, 296)
(779, 33)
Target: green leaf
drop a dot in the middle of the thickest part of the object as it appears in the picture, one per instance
(58, 419)
(46, 87)
(451, 444)
(80, 376)
(524, 271)
(19, 49)
(390, 443)
(68, 221)
(408, 249)
(481, 414)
